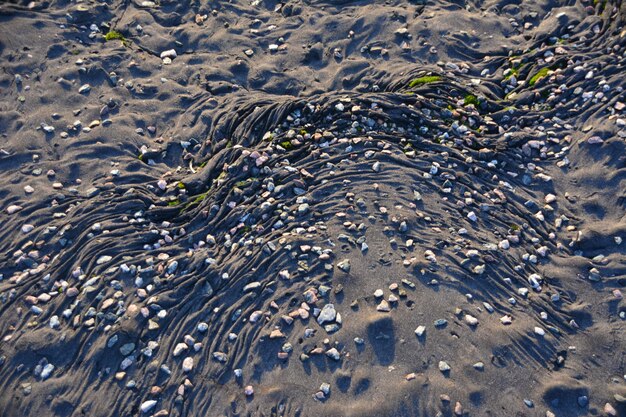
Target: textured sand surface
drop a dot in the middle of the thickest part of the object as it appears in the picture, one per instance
(261, 222)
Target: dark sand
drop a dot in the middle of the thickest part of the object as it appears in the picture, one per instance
(170, 231)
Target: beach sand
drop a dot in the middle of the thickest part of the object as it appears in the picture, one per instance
(312, 208)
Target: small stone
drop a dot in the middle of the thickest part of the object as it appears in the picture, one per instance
(325, 388)
(609, 410)
(127, 349)
(327, 314)
(47, 371)
(188, 364)
(249, 391)
(440, 322)
(147, 405)
(170, 53)
(595, 140)
(252, 286)
(171, 268)
(180, 348)
(344, 265)
(383, 306)
(333, 353)
(54, 322)
(13, 209)
(103, 259)
(419, 332)
(444, 367)
(471, 320)
(276, 334)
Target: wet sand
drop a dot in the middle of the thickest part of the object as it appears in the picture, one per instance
(312, 208)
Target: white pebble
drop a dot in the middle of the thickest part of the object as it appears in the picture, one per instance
(148, 405)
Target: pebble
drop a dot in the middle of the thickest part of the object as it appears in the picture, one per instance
(170, 53)
(13, 208)
(179, 349)
(325, 388)
(103, 259)
(440, 322)
(609, 410)
(84, 89)
(344, 265)
(146, 406)
(333, 353)
(444, 367)
(187, 364)
(383, 306)
(550, 198)
(47, 371)
(327, 314)
(595, 140)
(127, 349)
